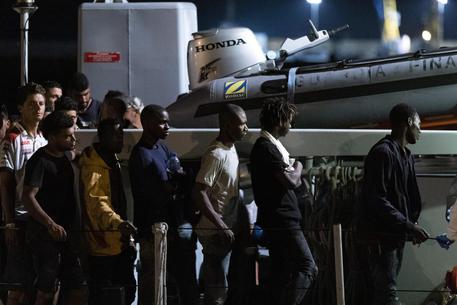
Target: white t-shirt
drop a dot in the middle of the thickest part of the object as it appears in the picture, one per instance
(16, 148)
(219, 171)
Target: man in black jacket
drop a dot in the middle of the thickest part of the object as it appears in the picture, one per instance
(391, 203)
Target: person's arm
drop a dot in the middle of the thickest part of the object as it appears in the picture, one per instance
(98, 202)
(8, 194)
(270, 157)
(206, 178)
(203, 203)
(8, 191)
(290, 179)
(56, 231)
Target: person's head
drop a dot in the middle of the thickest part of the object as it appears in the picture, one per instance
(59, 129)
(79, 90)
(31, 102)
(110, 135)
(4, 121)
(404, 118)
(233, 122)
(155, 120)
(68, 106)
(134, 108)
(113, 108)
(53, 92)
(277, 114)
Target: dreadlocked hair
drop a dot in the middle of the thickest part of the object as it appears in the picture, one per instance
(275, 111)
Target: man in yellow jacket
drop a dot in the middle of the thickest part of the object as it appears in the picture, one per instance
(111, 254)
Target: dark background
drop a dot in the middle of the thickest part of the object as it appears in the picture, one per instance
(53, 29)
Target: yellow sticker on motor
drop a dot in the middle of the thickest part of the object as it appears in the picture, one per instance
(235, 90)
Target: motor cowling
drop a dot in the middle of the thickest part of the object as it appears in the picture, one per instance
(219, 53)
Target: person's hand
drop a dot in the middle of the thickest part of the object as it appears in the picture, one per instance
(11, 236)
(57, 232)
(227, 234)
(127, 228)
(444, 241)
(419, 234)
(297, 164)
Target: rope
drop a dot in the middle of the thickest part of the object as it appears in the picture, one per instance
(160, 248)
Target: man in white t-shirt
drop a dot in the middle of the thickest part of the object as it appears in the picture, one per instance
(19, 144)
(216, 195)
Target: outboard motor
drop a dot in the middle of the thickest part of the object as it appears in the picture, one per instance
(218, 53)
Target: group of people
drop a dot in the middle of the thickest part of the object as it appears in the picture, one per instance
(65, 212)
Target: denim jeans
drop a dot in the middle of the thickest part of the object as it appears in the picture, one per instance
(180, 264)
(384, 267)
(216, 259)
(293, 266)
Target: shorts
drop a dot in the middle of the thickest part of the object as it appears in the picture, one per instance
(54, 262)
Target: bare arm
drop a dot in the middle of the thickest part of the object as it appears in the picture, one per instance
(290, 179)
(8, 194)
(200, 197)
(36, 212)
(8, 191)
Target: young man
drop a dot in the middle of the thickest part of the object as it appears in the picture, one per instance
(114, 105)
(216, 194)
(49, 198)
(53, 92)
(274, 179)
(67, 106)
(19, 144)
(111, 256)
(88, 108)
(154, 178)
(391, 204)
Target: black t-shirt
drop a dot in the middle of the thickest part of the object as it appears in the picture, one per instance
(277, 205)
(54, 177)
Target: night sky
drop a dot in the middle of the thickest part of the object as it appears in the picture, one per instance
(53, 35)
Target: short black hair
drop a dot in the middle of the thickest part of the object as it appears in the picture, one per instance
(105, 126)
(3, 114)
(111, 94)
(78, 82)
(400, 114)
(66, 103)
(151, 111)
(51, 84)
(28, 89)
(275, 111)
(228, 113)
(55, 122)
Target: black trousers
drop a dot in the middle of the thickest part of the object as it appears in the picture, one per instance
(292, 265)
(107, 272)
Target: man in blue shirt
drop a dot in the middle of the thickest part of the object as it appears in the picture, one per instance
(154, 184)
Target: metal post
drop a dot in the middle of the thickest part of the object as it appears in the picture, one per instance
(160, 253)
(25, 8)
(339, 271)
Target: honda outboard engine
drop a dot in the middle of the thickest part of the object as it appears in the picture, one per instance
(218, 53)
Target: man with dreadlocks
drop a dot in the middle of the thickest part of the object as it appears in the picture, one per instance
(274, 179)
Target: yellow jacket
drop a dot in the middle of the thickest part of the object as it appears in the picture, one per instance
(98, 213)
